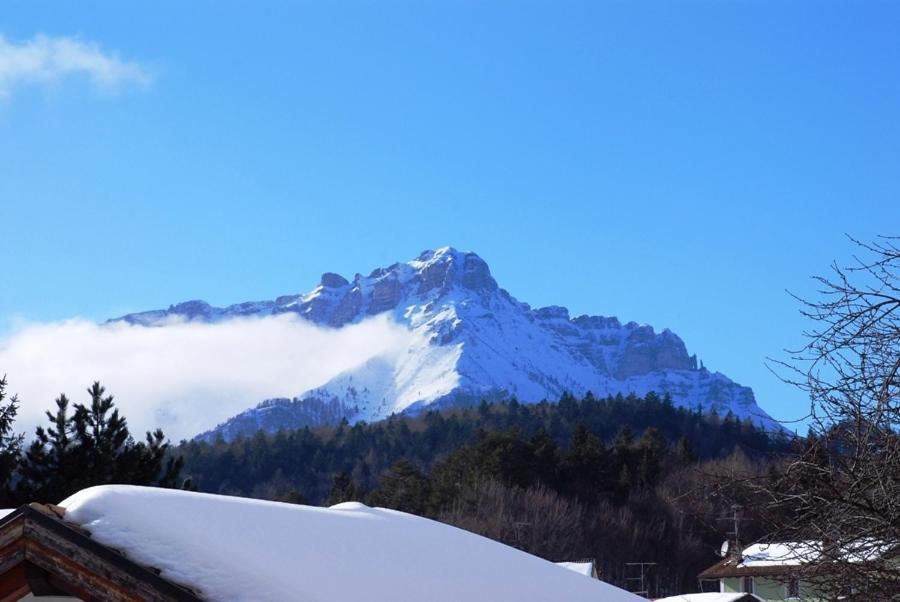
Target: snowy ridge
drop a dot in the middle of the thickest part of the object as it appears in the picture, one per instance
(473, 341)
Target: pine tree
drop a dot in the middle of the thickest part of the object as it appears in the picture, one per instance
(568, 406)
(344, 489)
(484, 409)
(684, 451)
(91, 446)
(651, 448)
(50, 460)
(103, 437)
(402, 487)
(545, 454)
(585, 465)
(10, 441)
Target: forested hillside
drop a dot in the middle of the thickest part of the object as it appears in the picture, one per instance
(615, 479)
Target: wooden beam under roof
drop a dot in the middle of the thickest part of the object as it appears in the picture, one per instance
(43, 554)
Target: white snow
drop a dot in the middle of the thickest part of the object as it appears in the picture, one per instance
(237, 549)
(475, 345)
(707, 597)
(478, 346)
(582, 568)
(801, 552)
(473, 341)
(778, 554)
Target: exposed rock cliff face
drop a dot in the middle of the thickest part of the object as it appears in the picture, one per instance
(474, 341)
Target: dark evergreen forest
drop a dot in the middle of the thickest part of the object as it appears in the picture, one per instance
(618, 480)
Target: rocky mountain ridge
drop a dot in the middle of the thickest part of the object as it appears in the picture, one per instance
(472, 341)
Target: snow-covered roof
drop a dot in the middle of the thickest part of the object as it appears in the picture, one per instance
(709, 597)
(802, 552)
(583, 568)
(778, 554)
(229, 548)
(780, 558)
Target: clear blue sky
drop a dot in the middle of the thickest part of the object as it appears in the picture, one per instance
(676, 163)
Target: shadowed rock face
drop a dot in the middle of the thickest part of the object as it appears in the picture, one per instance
(476, 275)
(385, 295)
(476, 341)
(191, 310)
(332, 280)
(646, 351)
(435, 276)
(347, 309)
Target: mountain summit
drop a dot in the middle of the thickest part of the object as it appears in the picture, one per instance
(473, 341)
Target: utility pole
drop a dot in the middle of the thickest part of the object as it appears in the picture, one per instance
(640, 570)
(733, 536)
(737, 515)
(519, 527)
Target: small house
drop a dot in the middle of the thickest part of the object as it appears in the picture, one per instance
(768, 570)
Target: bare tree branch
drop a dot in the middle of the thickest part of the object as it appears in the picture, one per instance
(838, 497)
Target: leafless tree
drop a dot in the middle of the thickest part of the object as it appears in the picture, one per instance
(840, 493)
(536, 519)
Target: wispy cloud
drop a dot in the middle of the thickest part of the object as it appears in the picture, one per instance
(185, 377)
(44, 59)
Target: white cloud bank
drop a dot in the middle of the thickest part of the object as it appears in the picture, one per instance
(45, 60)
(184, 377)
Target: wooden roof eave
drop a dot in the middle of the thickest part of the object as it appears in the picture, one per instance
(726, 568)
(36, 544)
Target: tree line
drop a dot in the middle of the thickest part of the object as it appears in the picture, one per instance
(81, 446)
(612, 479)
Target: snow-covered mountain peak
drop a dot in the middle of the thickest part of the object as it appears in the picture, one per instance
(473, 341)
(437, 272)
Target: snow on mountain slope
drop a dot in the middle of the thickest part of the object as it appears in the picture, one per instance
(473, 341)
